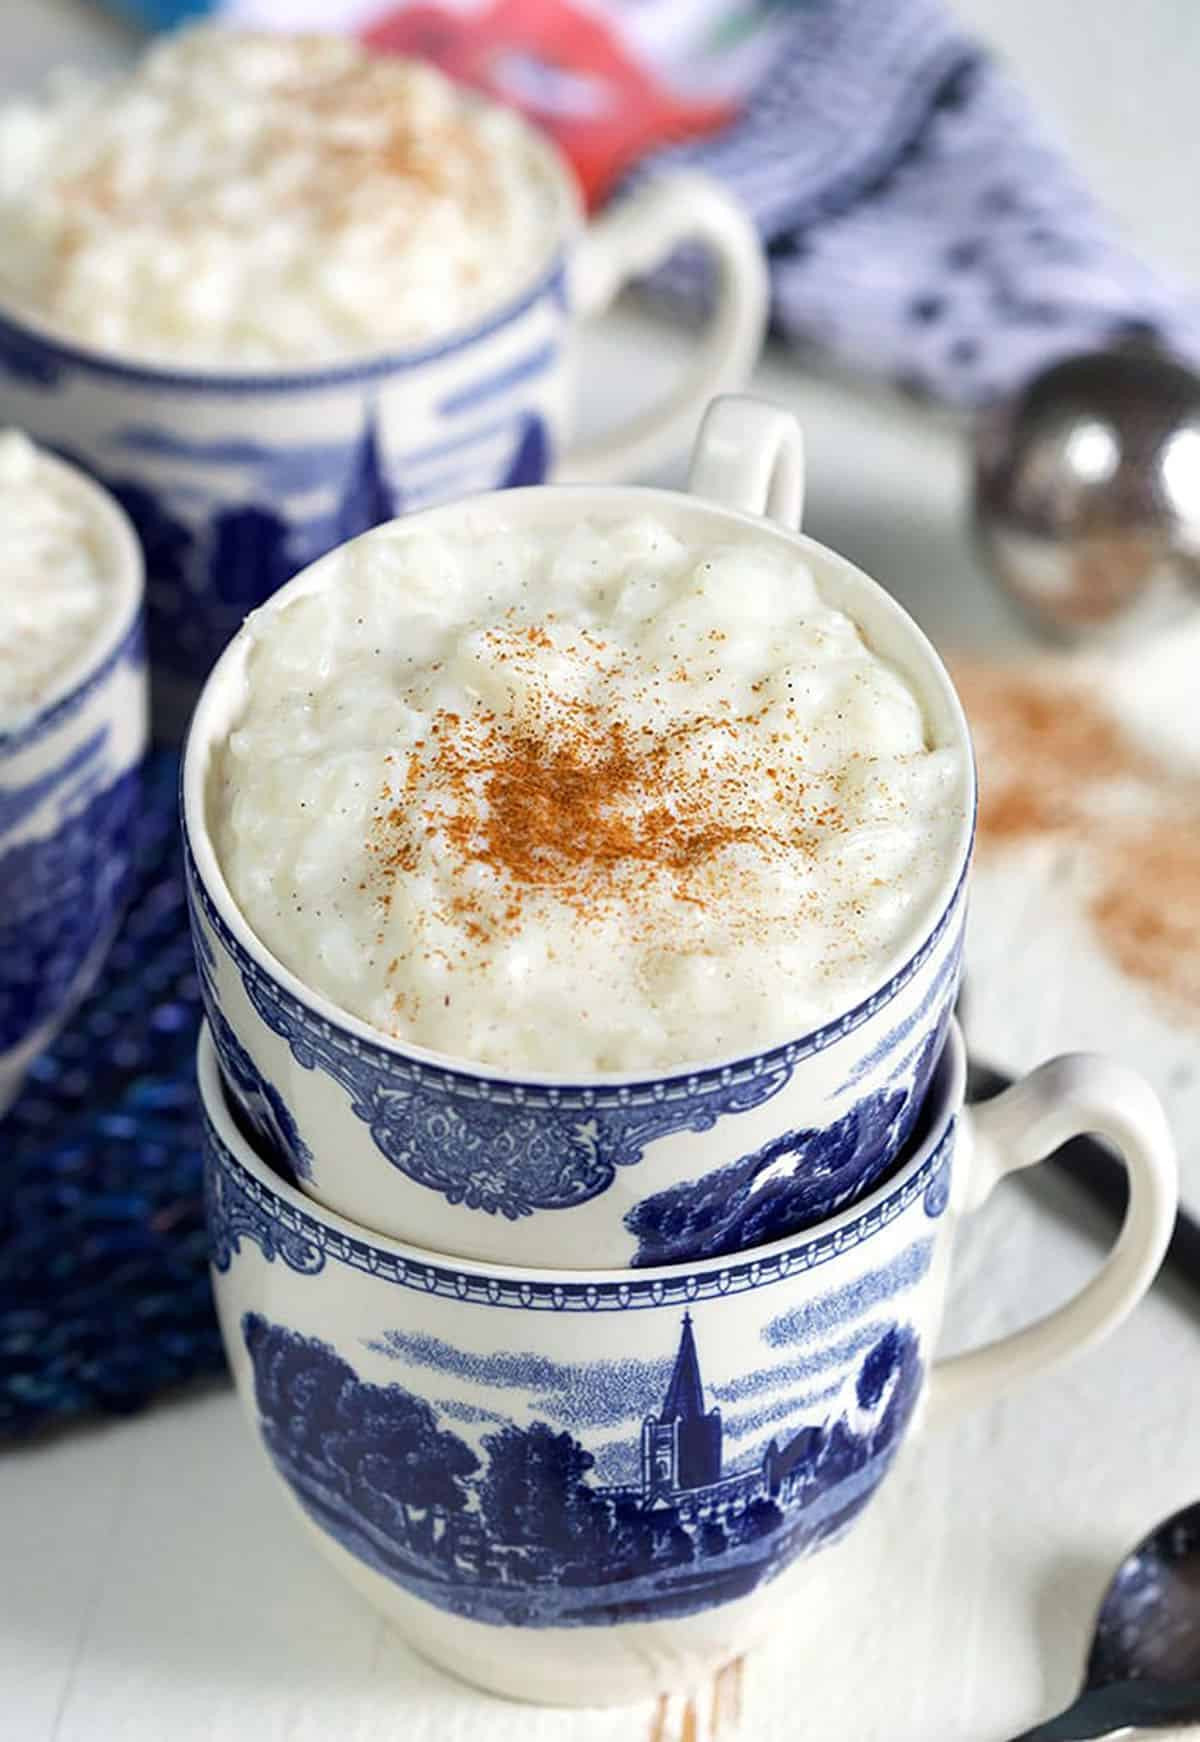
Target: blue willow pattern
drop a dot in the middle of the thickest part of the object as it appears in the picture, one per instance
(509, 1149)
(238, 1207)
(488, 1144)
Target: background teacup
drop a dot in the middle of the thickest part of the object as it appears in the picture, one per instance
(581, 1487)
(610, 1170)
(69, 785)
(235, 480)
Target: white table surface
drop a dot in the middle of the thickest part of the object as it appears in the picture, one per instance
(153, 1587)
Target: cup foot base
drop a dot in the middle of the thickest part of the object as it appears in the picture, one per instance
(564, 1666)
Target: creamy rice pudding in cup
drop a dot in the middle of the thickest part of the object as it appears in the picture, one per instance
(275, 291)
(578, 873)
(72, 732)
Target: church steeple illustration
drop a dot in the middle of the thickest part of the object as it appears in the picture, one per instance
(367, 498)
(681, 1448)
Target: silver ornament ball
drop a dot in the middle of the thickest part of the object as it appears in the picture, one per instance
(1087, 492)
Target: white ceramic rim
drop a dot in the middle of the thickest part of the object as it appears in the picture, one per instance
(945, 1100)
(566, 502)
(123, 554)
(375, 360)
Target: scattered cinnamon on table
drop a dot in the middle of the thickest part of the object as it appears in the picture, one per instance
(1057, 766)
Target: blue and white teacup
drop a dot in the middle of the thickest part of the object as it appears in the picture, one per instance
(609, 1170)
(591, 1487)
(236, 479)
(69, 788)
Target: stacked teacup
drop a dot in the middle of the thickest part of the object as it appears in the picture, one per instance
(577, 880)
(273, 290)
(72, 732)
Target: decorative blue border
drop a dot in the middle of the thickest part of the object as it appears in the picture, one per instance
(240, 1207)
(646, 1091)
(132, 647)
(59, 353)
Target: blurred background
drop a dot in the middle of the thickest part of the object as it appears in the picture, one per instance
(1126, 110)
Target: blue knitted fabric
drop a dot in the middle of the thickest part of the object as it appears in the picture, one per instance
(104, 1293)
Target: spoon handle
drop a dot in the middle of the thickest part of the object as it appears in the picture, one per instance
(1119, 1706)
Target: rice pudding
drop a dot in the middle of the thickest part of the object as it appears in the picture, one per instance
(580, 798)
(243, 199)
(57, 579)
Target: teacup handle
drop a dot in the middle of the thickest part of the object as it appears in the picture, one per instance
(1066, 1097)
(632, 237)
(749, 455)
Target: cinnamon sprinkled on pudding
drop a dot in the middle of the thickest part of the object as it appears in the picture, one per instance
(581, 799)
(245, 198)
(587, 807)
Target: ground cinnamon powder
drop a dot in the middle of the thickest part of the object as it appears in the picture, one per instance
(1055, 764)
(592, 808)
(365, 135)
(1147, 910)
(568, 796)
(1047, 750)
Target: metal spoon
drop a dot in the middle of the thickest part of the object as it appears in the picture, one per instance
(1144, 1667)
